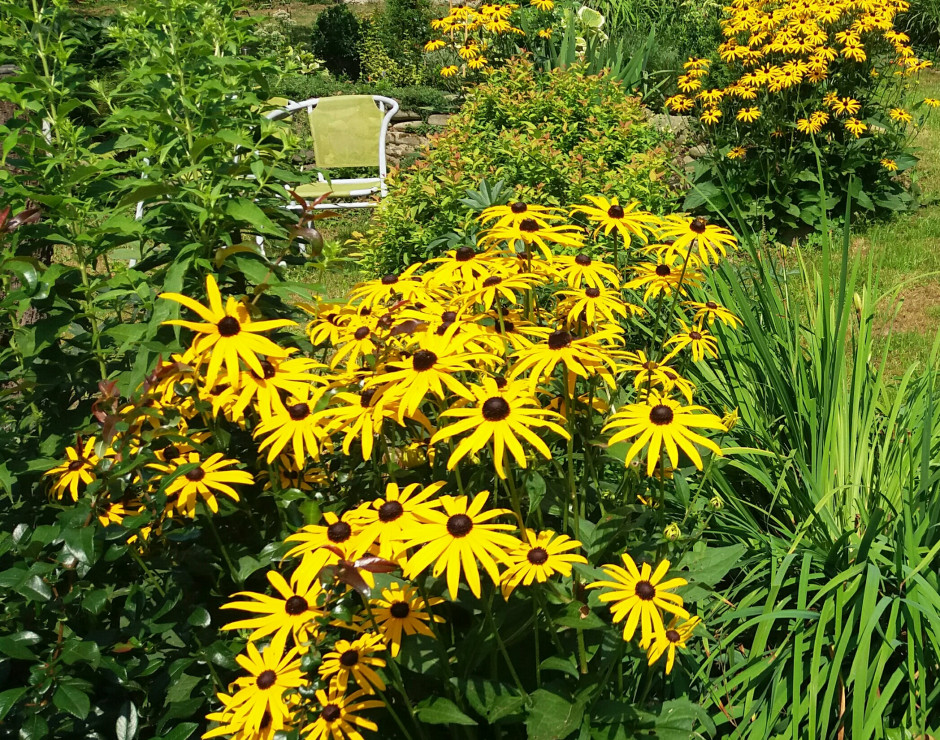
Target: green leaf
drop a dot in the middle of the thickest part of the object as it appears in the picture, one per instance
(678, 718)
(437, 710)
(180, 732)
(492, 700)
(126, 726)
(85, 651)
(552, 717)
(73, 700)
(9, 698)
(17, 645)
(199, 618)
(242, 209)
(565, 665)
(80, 542)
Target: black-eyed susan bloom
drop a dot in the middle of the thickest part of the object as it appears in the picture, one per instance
(667, 641)
(320, 545)
(259, 701)
(338, 718)
(664, 277)
(77, 470)
(663, 424)
(531, 233)
(383, 521)
(458, 538)
(628, 221)
(583, 356)
(697, 338)
(204, 479)
(357, 660)
(592, 305)
(709, 311)
(515, 213)
(293, 423)
(291, 375)
(638, 595)
(582, 270)
(228, 335)
(538, 557)
(696, 237)
(495, 287)
(401, 611)
(504, 416)
(294, 612)
(361, 416)
(432, 367)
(404, 286)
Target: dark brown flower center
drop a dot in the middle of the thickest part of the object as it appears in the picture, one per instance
(196, 475)
(592, 292)
(449, 317)
(338, 532)
(423, 359)
(365, 398)
(661, 415)
(518, 207)
(528, 225)
(711, 305)
(504, 326)
(399, 609)
(583, 260)
(459, 525)
(500, 381)
(495, 409)
(269, 370)
(333, 318)
(362, 332)
(650, 365)
(694, 336)
(390, 511)
(349, 658)
(673, 636)
(76, 465)
(229, 326)
(330, 713)
(645, 590)
(698, 225)
(389, 279)
(170, 452)
(298, 411)
(615, 211)
(266, 679)
(465, 254)
(537, 555)
(559, 340)
(663, 270)
(295, 605)
(491, 281)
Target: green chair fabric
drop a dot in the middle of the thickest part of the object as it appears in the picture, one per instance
(345, 131)
(314, 190)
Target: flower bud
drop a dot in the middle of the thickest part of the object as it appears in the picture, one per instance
(672, 532)
(716, 502)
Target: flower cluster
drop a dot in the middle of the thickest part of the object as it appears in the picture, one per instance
(417, 532)
(809, 65)
(558, 334)
(467, 34)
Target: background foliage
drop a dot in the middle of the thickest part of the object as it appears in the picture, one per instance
(553, 138)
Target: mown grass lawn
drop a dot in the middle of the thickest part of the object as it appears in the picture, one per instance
(906, 254)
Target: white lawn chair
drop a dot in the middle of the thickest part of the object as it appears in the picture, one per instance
(347, 131)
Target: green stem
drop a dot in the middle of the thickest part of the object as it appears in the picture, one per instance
(488, 615)
(228, 560)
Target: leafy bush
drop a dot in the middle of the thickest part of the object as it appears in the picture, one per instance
(779, 113)
(392, 43)
(336, 40)
(922, 23)
(106, 630)
(553, 138)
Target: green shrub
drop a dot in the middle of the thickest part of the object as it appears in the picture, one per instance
(419, 98)
(336, 39)
(553, 138)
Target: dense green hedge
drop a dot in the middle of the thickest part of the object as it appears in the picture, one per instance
(423, 99)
